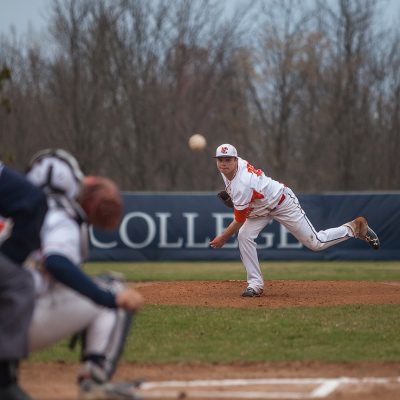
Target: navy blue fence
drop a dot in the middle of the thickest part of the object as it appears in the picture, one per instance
(180, 226)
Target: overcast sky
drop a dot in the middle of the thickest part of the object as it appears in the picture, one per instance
(23, 14)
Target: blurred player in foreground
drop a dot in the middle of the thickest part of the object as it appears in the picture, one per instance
(69, 301)
(257, 201)
(25, 206)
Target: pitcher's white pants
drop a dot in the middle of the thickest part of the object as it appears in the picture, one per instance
(293, 218)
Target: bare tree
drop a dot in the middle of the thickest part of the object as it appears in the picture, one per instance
(276, 80)
(349, 29)
(310, 92)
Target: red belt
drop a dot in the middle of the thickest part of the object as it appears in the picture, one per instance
(282, 199)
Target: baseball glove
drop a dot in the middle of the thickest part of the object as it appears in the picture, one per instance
(225, 198)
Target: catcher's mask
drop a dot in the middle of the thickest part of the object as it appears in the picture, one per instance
(56, 171)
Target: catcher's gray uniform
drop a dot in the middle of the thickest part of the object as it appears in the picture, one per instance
(66, 311)
(68, 301)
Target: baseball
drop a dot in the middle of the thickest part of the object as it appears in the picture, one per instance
(197, 142)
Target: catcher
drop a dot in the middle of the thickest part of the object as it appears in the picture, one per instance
(257, 200)
(69, 301)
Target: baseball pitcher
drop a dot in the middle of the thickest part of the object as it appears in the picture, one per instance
(257, 200)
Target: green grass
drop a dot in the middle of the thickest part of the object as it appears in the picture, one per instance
(178, 334)
(184, 334)
(213, 271)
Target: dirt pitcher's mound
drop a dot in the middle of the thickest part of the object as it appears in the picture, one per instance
(276, 293)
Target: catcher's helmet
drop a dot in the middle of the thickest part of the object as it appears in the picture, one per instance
(56, 171)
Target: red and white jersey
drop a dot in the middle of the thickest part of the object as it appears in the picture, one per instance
(253, 193)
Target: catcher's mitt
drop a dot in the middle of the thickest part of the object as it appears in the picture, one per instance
(225, 198)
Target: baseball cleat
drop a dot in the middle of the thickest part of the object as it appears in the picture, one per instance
(362, 231)
(372, 239)
(91, 390)
(250, 292)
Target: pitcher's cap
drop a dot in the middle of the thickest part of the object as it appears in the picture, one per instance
(226, 150)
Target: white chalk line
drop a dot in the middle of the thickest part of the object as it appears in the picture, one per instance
(222, 395)
(325, 386)
(325, 389)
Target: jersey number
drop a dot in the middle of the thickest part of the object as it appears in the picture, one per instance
(252, 170)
